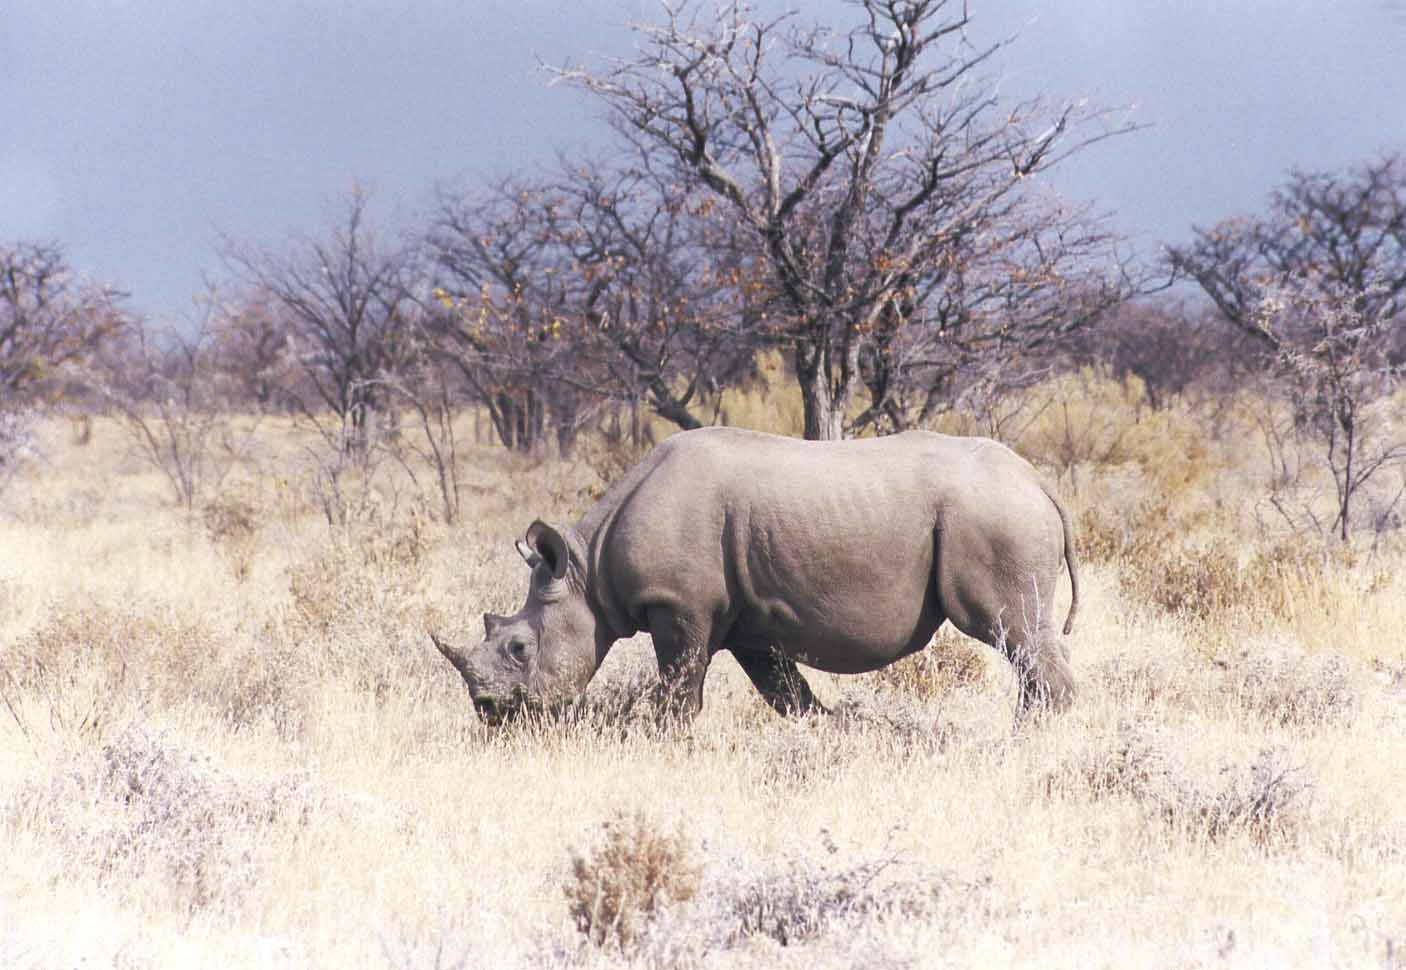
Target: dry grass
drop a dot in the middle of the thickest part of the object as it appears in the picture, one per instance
(226, 741)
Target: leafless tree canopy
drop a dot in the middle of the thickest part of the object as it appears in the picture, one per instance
(349, 298)
(886, 188)
(504, 304)
(1344, 229)
(599, 282)
(253, 342)
(1319, 284)
(48, 319)
(177, 403)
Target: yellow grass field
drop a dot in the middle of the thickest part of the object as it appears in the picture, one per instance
(226, 741)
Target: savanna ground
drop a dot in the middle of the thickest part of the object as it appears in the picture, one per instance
(225, 739)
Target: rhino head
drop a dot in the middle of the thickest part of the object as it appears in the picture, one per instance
(546, 652)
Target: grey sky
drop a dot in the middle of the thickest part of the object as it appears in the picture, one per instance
(134, 129)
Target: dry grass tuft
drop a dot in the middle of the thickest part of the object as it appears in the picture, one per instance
(615, 889)
(951, 663)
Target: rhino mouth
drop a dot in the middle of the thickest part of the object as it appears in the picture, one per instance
(496, 710)
(493, 710)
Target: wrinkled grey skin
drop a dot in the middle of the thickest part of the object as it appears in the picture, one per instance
(844, 556)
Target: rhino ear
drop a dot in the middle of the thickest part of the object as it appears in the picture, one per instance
(528, 554)
(550, 546)
(491, 622)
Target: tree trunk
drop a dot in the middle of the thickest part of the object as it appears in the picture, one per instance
(824, 409)
(824, 417)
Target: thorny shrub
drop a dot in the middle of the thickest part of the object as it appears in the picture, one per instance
(800, 753)
(800, 901)
(1165, 676)
(610, 455)
(1089, 420)
(807, 901)
(142, 815)
(619, 886)
(233, 522)
(1218, 580)
(1280, 684)
(1273, 680)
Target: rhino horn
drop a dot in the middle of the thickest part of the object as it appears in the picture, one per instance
(450, 652)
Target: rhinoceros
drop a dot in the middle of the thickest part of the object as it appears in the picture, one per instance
(841, 555)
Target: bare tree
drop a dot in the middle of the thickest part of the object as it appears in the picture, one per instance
(871, 168)
(253, 343)
(668, 303)
(430, 393)
(502, 296)
(350, 300)
(49, 320)
(991, 315)
(1333, 370)
(599, 282)
(1318, 284)
(176, 405)
(1346, 230)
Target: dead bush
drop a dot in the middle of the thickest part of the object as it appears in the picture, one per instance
(232, 522)
(1263, 799)
(1133, 763)
(1150, 678)
(803, 899)
(370, 577)
(617, 888)
(611, 452)
(141, 815)
(230, 518)
(1089, 420)
(1282, 685)
(80, 666)
(806, 902)
(1128, 535)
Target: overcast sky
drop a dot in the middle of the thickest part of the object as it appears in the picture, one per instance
(133, 131)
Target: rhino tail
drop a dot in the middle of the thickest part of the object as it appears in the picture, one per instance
(1070, 559)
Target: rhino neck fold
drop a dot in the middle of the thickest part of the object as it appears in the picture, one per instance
(592, 531)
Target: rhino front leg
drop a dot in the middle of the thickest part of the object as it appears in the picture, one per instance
(682, 649)
(779, 681)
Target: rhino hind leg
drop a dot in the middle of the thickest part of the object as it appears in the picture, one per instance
(1042, 668)
(779, 681)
